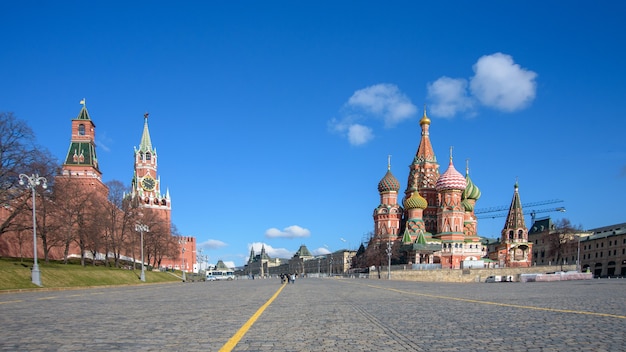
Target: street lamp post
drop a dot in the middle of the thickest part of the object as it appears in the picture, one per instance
(33, 181)
(578, 266)
(141, 229)
(389, 259)
(182, 268)
(329, 259)
(199, 260)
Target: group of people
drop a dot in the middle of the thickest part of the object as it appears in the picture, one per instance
(289, 278)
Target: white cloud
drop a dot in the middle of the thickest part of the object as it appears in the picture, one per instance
(103, 141)
(449, 96)
(378, 102)
(359, 134)
(293, 231)
(502, 84)
(383, 100)
(320, 251)
(212, 244)
(272, 252)
(498, 83)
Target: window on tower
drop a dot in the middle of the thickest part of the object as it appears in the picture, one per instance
(148, 156)
(81, 130)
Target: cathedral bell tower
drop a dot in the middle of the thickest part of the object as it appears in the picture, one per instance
(515, 250)
(423, 176)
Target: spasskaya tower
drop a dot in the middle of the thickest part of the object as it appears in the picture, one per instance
(146, 184)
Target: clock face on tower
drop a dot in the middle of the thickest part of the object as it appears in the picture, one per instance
(148, 183)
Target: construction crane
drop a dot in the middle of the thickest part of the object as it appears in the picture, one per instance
(533, 213)
(506, 207)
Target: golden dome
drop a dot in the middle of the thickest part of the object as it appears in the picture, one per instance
(425, 119)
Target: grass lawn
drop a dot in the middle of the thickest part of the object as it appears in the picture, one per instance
(16, 274)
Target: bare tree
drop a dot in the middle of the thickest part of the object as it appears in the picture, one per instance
(376, 252)
(157, 242)
(170, 247)
(96, 234)
(119, 214)
(562, 241)
(45, 165)
(18, 154)
(71, 204)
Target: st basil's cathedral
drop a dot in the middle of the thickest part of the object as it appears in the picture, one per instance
(436, 223)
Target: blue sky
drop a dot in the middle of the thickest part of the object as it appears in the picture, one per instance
(273, 120)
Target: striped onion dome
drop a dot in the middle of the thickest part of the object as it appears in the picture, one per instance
(451, 179)
(467, 205)
(471, 190)
(388, 183)
(416, 201)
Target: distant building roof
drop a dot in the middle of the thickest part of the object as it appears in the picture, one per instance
(221, 266)
(303, 252)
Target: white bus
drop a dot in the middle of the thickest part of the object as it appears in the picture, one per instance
(216, 275)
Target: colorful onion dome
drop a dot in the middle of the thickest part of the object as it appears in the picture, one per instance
(471, 190)
(451, 179)
(467, 205)
(416, 201)
(388, 183)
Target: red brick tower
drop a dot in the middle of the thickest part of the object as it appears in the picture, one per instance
(80, 188)
(81, 162)
(146, 185)
(450, 216)
(423, 175)
(146, 191)
(388, 214)
(515, 250)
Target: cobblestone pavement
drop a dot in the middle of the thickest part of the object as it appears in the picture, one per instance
(320, 315)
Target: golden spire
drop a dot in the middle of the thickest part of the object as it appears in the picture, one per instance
(425, 119)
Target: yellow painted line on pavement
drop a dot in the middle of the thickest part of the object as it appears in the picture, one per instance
(232, 342)
(46, 298)
(502, 304)
(16, 301)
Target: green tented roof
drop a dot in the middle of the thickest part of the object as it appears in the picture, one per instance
(303, 252)
(82, 153)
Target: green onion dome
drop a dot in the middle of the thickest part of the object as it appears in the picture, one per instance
(471, 190)
(467, 205)
(416, 201)
(388, 183)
